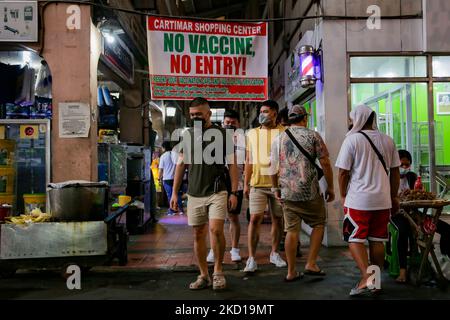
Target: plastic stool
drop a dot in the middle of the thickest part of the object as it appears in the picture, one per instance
(391, 252)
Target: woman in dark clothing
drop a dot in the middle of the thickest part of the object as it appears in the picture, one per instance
(407, 180)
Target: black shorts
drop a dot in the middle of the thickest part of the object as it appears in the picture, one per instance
(239, 204)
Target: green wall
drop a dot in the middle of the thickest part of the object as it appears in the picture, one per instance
(419, 104)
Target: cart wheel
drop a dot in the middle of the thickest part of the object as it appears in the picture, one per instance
(7, 273)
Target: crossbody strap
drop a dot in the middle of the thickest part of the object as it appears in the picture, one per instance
(305, 153)
(380, 156)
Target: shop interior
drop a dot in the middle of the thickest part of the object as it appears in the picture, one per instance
(25, 113)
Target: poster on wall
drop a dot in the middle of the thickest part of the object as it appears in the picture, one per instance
(74, 120)
(443, 103)
(29, 132)
(18, 21)
(220, 61)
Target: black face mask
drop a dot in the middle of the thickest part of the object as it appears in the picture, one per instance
(194, 120)
(350, 127)
(229, 127)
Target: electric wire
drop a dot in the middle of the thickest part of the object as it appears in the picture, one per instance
(136, 12)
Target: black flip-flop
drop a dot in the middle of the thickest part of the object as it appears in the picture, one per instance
(299, 276)
(319, 273)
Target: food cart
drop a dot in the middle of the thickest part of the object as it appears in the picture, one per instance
(423, 216)
(83, 232)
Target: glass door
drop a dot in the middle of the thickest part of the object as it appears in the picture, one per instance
(24, 163)
(402, 114)
(442, 124)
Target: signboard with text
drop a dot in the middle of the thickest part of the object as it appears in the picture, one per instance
(119, 58)
(220, 61)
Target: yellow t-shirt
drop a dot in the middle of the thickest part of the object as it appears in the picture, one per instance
(155, 170)
(259, 144)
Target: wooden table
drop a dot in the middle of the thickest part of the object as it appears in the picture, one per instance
(424, 236)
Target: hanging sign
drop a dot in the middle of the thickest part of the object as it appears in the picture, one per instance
(119, 58)
(18, 21)
(220, 61)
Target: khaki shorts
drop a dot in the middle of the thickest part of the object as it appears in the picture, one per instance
(260, 198)
(201, 210)
(312, 212)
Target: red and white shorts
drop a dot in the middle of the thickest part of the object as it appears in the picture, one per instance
(360, 226)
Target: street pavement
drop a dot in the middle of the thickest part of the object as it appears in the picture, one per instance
(106, 283)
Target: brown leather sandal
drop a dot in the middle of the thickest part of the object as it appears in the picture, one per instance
(201, 283)
(219, 282)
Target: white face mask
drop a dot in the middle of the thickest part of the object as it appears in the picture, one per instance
(404, 171)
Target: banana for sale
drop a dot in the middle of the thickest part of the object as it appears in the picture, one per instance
(36, 216)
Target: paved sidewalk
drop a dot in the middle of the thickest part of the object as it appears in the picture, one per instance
(162, 264)
(170, 244)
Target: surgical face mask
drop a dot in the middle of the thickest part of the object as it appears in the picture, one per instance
(404, 171)
(264, 119)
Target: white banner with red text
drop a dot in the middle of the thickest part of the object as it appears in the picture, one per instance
(220, 61)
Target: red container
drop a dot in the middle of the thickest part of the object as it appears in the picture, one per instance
(5, 211)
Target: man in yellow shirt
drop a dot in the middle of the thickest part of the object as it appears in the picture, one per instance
(257, 186)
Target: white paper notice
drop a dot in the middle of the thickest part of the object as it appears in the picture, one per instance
(74, 120)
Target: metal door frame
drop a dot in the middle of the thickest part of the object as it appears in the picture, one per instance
(48, 143)
(429, 80)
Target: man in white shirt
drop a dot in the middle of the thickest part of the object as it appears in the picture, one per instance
(167, 165)
(368, 185)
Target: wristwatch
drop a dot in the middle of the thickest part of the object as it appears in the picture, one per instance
(234, 193)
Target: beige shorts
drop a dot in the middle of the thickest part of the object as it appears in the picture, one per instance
(260, 198)
(312, 212)
(201, 210)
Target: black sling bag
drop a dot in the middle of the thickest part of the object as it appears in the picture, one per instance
(306, 154)
(380, 156)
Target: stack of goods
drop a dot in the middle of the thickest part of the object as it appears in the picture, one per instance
(25, 93)
(7, 176)
(108, 111)
(36, 216)
(416, 195)
(108, 136)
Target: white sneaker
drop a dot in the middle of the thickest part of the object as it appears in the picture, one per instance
(276, 259)
(251, 265)
(210, 257)
(235, 257)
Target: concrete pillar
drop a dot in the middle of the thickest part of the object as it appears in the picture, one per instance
(332, 113)
(131, 117)
(73, 57)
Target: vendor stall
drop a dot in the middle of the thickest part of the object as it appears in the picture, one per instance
(424, 216)
(80, 230)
